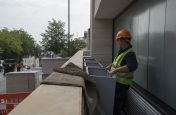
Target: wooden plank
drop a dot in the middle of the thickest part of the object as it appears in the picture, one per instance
(52, 100)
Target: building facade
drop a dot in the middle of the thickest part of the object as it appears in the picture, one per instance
(152, 24)
(31, 61)
(87, 38)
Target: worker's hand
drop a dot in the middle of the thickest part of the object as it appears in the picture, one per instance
(107, 68)
(112, 72)
(109, 73)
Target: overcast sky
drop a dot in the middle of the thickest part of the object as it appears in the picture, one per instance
(33, 15)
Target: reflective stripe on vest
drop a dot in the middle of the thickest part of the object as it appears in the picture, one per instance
(124, 78)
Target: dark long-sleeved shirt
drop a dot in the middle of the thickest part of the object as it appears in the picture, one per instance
(129, 60)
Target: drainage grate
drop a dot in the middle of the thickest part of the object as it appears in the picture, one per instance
(137, 105)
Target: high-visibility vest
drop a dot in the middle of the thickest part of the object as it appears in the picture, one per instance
(123, 78)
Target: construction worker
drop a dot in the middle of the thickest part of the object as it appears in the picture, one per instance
(122, 68)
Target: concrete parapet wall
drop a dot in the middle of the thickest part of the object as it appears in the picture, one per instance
(48, 64)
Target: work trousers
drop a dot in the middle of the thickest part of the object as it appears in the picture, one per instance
(120, 97)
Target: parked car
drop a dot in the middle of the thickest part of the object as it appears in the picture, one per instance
(9, 65)
(26, 67)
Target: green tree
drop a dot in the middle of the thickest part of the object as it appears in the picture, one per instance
(54, 38)
(9, 44)
(37, 50)
(28, 44)
(1, 51)
(76, 45)
(17, 44)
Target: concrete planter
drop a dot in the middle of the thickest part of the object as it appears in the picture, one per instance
(86, 53)
(97, 71)
(90, 60)
(87, 57)
(92, 64)
(22, 81)
(106, 87)
(48, 64)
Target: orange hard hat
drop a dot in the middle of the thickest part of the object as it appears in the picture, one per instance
(123, 34)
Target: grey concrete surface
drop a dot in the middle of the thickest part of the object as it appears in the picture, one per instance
(25, 81)
(101, 38)
(2, 83)
(55, 100)
(48, 64)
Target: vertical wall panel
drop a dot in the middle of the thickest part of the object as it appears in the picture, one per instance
(169, 86)
(156, 77)
(142, 51)
(153, 27)
(134, 33)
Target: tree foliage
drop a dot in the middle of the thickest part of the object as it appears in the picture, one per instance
(17, 44)
(54, 38)
(76, 45)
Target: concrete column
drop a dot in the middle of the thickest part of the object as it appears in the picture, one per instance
(101, 37)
